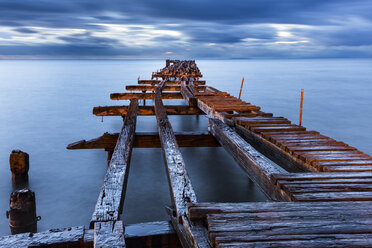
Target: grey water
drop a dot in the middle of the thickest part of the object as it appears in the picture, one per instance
(45, 105)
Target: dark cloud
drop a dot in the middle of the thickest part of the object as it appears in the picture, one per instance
(25, 30)
(222, 29)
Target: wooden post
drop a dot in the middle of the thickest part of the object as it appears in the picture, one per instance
(301, 105)
(22, 213)
(241, 88)
(19, 165)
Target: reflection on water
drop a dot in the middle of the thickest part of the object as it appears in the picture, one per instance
(46, 105)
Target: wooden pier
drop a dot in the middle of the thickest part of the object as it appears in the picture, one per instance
(320, 189)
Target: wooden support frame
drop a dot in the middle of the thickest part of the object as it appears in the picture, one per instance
(147, 140)
(146, 110)
(257, 166)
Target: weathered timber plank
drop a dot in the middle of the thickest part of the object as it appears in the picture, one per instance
(258, 167)
(181, 189)
(147, 140)
(109, 234)
(110, 201)
(152, 88)
(306, 239)
(190, 235)
(309, 188)
(326, 175)
(144, 96)
(187, 94)
(236, 108)
(66, 237)
(273, 152)
(344, 168)
(351, 243)
(199, 211)
(146, 110)
(174, 82)
(208, 110)
(333, 196)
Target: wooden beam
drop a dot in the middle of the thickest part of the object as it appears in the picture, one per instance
(66, 237)
(111, 197)
(257, 166)
(147, 140)
(182, 192)
(172, 82)
(187, 94)
(109, 234)
(152, 88)
(143, 96)
(181, 189)
(146, 110)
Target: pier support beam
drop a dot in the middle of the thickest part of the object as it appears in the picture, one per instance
(257, 166)
(22, 213)
(19, 166)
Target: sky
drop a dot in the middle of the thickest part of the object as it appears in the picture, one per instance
(158, 29)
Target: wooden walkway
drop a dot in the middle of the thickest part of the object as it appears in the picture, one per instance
(321, 188)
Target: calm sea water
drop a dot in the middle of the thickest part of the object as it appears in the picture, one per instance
(45, 105)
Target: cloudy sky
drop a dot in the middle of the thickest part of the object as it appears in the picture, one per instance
(185, 29)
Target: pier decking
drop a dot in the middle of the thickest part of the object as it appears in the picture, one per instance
(321, 188)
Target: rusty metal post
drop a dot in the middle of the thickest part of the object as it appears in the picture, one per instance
(22, 213)
(301, 105)
(241, 88)
(19, 166)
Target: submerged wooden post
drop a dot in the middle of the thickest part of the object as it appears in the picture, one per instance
(19, 166)
(301, 105)
(22, 213)
(241, 88)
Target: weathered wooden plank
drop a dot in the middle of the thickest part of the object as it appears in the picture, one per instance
(152, 88)
(109, 234)
(66, 237)
(180, 186)
(174, 82)
(146, 110)
(236, 108)
(318, 187)
(344, 168)
(199, 211)
(144, 96)
(306, 239)
(110, 201)
(352, 242)
(330, 175)
(147, 140)
(333, 196)
(257, 166)
(273, 152)
(187, 94)
(277, 127)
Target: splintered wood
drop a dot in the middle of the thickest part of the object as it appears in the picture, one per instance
(276, 224)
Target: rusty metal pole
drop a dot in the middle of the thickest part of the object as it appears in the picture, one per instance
(241, 88)
(19, 165)
(301, 105)
(22, 213)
